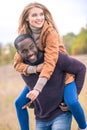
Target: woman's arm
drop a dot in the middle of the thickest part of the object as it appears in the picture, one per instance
(23, 68)
(19, 65)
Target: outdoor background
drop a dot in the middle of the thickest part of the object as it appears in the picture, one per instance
(71, 19)
(10, 86)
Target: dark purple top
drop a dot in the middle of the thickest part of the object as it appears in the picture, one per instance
(47, 103)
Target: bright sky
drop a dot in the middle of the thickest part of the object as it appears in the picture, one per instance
(69, 16)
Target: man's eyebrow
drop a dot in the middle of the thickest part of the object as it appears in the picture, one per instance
(31, 44)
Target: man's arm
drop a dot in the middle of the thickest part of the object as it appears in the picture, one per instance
(73, 66)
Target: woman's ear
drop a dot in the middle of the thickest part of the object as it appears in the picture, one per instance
(27, 19)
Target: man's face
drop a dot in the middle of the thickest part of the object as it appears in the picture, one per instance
(28, 50)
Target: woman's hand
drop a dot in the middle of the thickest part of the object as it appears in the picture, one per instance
(39, 68)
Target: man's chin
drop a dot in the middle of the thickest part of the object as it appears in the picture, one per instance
(32, 60)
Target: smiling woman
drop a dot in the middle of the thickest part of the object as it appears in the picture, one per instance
(36, 17)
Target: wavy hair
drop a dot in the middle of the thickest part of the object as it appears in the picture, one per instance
(24, 25)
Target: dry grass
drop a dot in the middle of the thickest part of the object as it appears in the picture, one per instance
(10, 86)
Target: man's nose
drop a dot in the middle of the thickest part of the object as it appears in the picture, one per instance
(29, 52)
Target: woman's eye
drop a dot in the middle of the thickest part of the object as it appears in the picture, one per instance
(41, 14)
(34, 15)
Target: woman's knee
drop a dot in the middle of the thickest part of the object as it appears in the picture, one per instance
(18, 102)
(21, 99)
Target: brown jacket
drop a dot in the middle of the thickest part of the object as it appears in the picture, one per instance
(51, 44)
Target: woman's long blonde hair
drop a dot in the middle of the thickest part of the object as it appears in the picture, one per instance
(24, 25)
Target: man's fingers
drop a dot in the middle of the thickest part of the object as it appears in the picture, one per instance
(63, 107)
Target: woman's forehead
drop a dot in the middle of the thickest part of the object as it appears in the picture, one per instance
(35, 9)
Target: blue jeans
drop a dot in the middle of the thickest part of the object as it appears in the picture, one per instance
(71, 99)
(62, 122)
(22, 114)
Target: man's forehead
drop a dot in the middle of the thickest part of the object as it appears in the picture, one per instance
(26, 41)
(23, 38)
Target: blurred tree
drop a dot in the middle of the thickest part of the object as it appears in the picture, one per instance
(11, 49)
(7, 54)
(67, 40)
(79, 45)
(76, 44)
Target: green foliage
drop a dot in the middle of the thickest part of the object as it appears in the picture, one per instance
(76, 44)
(7, 54)
(67, 40)
(79, 46)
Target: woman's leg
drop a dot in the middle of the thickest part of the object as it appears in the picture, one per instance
(71, 99)
(22, 114)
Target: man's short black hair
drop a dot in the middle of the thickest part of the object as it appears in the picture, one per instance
(21, 38)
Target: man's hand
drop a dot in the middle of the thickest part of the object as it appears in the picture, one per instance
(33, 94)
(63, 107)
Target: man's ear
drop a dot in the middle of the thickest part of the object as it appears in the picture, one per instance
(17, 51)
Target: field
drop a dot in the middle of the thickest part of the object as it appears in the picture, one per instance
(10, 86)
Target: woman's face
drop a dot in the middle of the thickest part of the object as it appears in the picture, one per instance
(36, 17)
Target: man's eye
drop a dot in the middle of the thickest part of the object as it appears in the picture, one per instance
(24, 51)
(32, 47)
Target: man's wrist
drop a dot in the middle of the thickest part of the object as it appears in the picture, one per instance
(37, 90)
